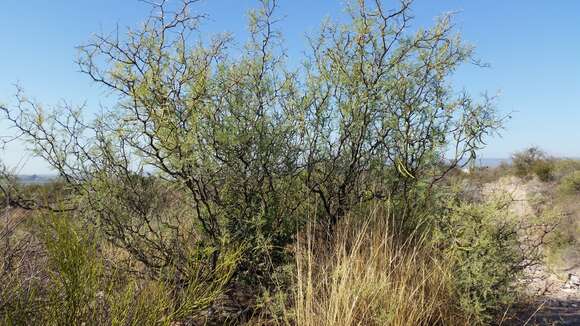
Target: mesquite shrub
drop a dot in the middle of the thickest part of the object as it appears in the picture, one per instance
(212, 146)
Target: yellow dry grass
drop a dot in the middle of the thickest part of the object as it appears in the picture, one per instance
(368, 277)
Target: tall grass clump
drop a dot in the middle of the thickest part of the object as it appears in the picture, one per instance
(465, 269)
(51, 274)
(370, 277)
(74, 270)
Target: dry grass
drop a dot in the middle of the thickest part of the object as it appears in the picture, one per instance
(369, 278)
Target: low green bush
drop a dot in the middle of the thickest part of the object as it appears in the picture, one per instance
(570, 184)
(544, 170)
(564, 167)
(56, 271)
(19, 298)
(533, 161)
(74, 271)
(483, 249)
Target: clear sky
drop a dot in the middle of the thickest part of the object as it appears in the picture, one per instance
(533, 48)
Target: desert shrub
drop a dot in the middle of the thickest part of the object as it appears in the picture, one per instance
(524, 160)
(248, 139)
(563, 243)
(533, 161)
(564, 167)
(54, 271)
(485, 255)
(544, 170)
(158, 302)
(74, 270)
(58, 275)
(570, 184)
(215, 154)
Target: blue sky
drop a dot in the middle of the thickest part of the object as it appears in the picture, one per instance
(533, 48)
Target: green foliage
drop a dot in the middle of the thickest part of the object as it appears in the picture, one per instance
(368, 139)
(482, 245)
(570, 184)
(241, 150)
(56, 277)
(564, 167)
(74, 270)
(145, 305)
(564, 241)
(544, 170)
(246, 145)
(563, 244)
(71, 281)
(533, 161)
(20, 294)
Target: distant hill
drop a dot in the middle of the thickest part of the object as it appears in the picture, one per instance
(492, 162)
(36, 178)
